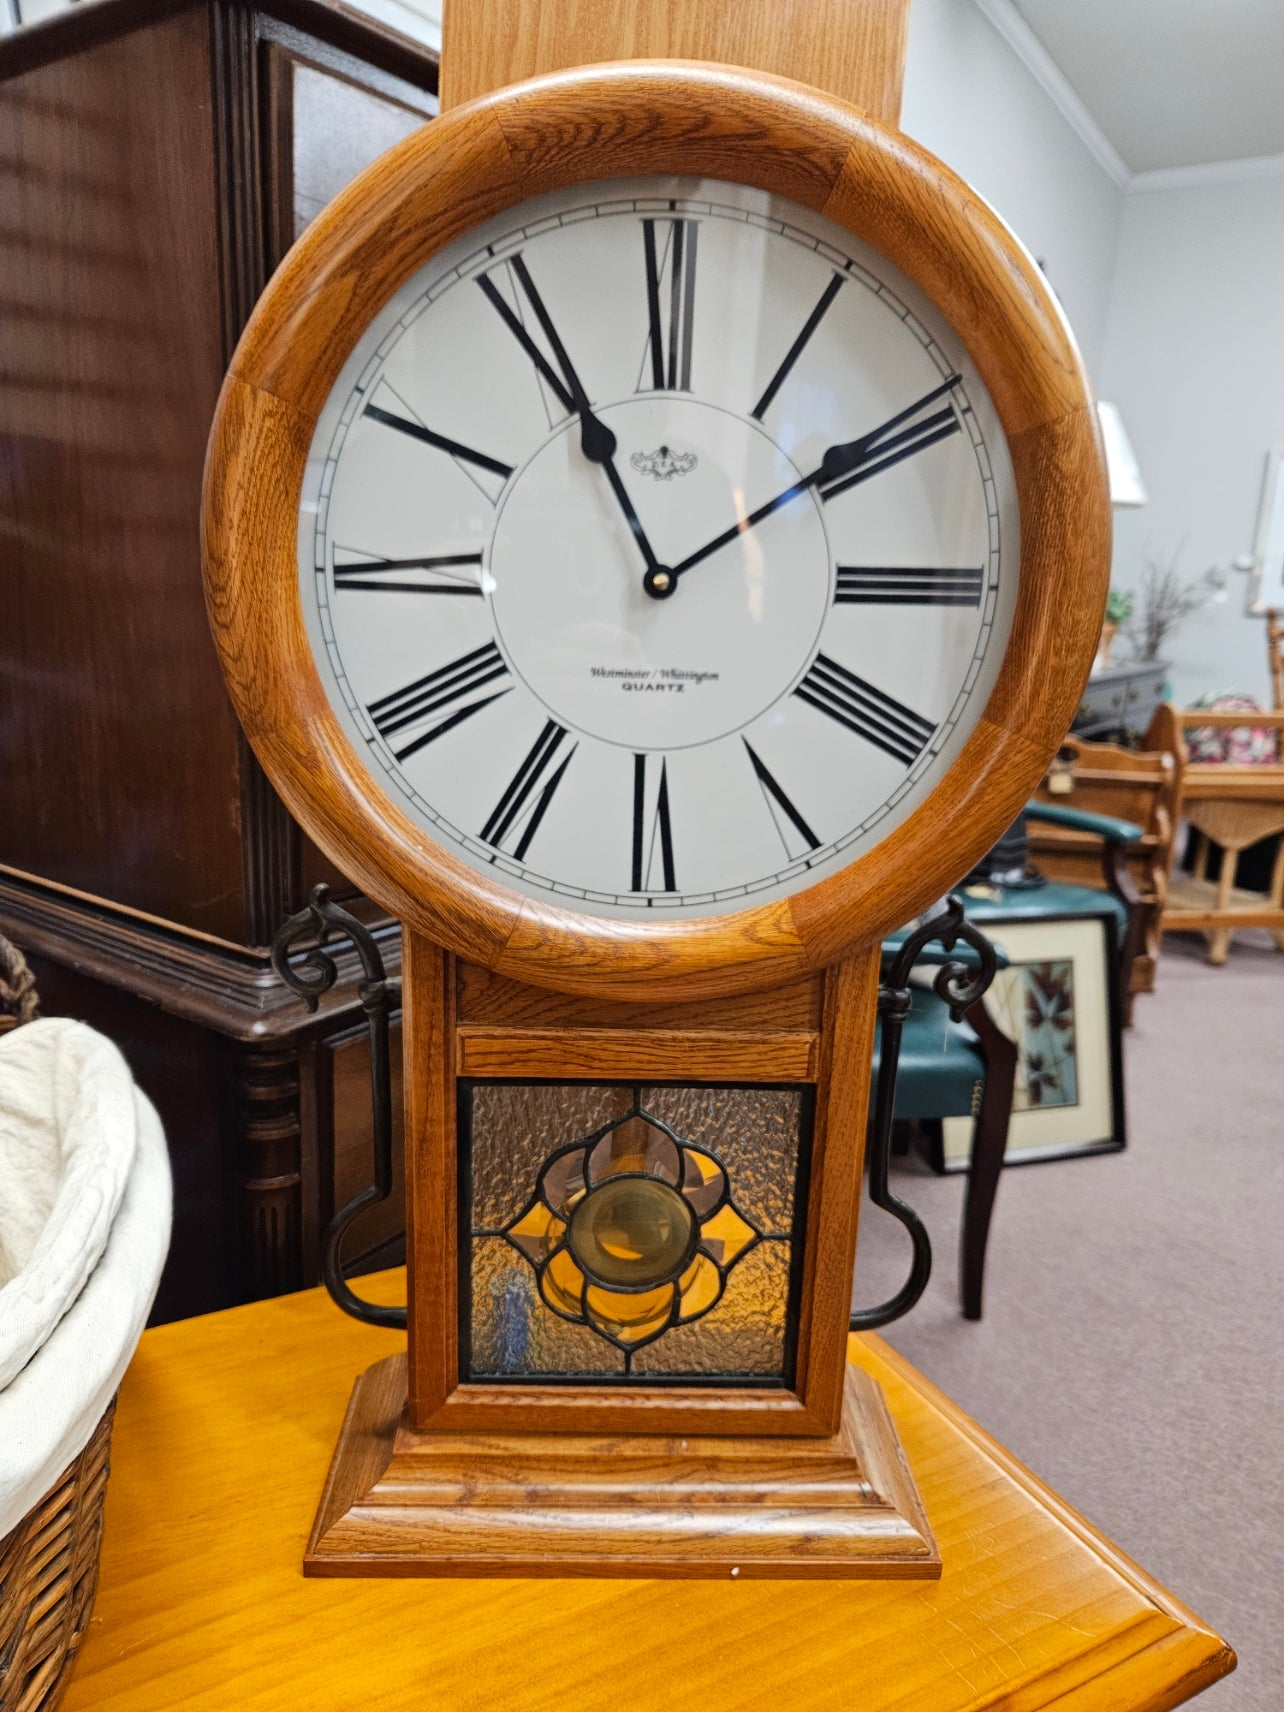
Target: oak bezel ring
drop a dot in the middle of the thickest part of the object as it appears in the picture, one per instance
(620, 121)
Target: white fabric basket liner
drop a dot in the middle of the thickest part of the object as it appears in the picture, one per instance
(85, 1206)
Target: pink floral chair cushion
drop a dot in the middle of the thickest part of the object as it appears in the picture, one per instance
(1236, 746)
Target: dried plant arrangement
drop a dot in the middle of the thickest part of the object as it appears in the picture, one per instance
(1164, 603)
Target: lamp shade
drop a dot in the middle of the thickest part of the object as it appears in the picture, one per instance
(1126, 487)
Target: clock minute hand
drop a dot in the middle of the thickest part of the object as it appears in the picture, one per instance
(842, 466)
(597, 442)
(667, 582)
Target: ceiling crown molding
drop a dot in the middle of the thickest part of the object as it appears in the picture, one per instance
(1208, 173)
(1009, 23)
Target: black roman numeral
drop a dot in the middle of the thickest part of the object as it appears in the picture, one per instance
(910, 431)
(398, 574)
(565, 385)
(799, 345)
(876, 717)
(907, 585)
(670, 257)
(777, 800)
(417, 431)
(519, 807)
(652, 827)
(442, 688)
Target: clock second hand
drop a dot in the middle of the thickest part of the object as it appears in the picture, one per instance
(880, 447)
(597, 442)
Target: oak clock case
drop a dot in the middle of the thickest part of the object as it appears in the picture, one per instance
(653, 558)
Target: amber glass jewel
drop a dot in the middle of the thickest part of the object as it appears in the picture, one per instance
(632, 1233)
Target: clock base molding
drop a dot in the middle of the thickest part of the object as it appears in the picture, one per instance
(399, 1502)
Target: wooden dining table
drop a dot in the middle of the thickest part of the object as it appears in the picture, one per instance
(224, 1433)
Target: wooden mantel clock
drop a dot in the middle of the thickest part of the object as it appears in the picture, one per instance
(656, 536)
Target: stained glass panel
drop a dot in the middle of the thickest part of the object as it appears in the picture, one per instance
(631, 1233)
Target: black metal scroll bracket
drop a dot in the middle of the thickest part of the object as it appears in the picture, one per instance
(960, 987)
(310, 976)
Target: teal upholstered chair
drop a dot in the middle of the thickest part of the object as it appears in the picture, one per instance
(957, 1069)
(1118, 894)
(953, 1069)
(963, 1068)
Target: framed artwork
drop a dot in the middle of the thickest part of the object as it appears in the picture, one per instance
(1059, 1002)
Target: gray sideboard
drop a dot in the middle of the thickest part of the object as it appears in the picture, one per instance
(1119, 700)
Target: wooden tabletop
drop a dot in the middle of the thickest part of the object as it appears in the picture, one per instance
(224, 1433)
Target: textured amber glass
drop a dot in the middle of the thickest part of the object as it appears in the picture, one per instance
(747, 1335)
(631, 1233)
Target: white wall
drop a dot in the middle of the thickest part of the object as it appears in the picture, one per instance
(1194, 358)
(971, 101)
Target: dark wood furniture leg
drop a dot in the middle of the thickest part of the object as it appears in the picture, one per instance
(989, 1144)
(1120, 883)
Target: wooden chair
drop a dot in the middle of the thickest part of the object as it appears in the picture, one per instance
(1124, 784)
(1275, 663)
(1233, 806)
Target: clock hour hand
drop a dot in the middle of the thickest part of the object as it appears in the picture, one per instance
(597, 442)
(856, 460)
(842, 466)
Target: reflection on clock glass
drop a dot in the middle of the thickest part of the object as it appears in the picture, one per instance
(658, 547)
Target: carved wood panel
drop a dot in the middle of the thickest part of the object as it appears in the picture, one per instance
(340, 1142)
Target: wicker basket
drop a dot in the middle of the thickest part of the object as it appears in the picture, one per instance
(48, 1578)
(49, 1562)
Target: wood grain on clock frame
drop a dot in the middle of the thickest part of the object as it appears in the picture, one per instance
(619, 121)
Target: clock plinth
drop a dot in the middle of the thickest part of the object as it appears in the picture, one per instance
(401, 1502)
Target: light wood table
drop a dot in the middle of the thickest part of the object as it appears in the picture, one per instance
(224, 1433)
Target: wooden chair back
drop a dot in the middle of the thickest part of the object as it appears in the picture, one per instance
(1229, 805)
(1104, 778)
(1275, 659)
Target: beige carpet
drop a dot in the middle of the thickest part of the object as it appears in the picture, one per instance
(1132, 1351)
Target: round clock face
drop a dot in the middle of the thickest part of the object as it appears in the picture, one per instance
(658, 548)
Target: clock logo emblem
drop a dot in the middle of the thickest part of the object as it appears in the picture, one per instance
(664, 464)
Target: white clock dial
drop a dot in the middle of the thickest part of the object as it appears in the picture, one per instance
(658, 548)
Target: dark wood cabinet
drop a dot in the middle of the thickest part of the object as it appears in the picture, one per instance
(157, 160)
